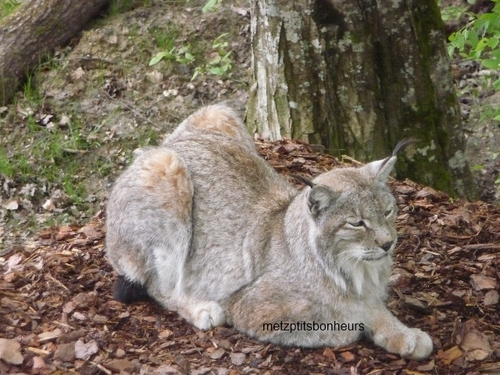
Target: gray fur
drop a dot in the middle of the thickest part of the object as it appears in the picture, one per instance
(213, 232)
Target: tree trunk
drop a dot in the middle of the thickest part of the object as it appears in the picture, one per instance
(358, 76)
(33, 31)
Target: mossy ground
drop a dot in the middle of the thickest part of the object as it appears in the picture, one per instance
(73, 127)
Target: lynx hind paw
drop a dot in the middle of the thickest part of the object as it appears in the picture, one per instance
(207, 315)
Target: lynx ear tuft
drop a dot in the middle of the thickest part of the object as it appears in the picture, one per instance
(319, 198)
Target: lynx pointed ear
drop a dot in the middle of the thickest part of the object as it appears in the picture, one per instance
(319, 198)
(381, 169)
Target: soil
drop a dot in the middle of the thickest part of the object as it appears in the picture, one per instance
(58, 315)
(55, 284)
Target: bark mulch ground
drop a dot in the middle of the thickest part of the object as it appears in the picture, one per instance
(57, 315)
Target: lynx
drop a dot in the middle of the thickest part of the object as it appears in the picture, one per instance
(204, 226)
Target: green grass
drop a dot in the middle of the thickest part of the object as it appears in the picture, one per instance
(7, 7)
(42, 150)
(165, 38)
(122, 6)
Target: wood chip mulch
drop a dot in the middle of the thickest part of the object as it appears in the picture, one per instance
(57, 315)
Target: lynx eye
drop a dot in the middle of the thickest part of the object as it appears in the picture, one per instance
(356, 224)
(388, 213)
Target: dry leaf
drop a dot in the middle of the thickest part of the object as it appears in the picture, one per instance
(11, 205)
(165, 334)
(64, 233)
(491, 298)
(428, 367)
(155, 76)
(476, 345)
(70, 306)
(100, 319)
(10, 351)
(166, 370)
(328, 353)
(13, 263)
(48, 205)
(85, 350)
(50, 335)
(238, 359)
(426, 192)
(79, 316)
(480, 282)
(348, 356)
(38, 362)
(113, 39)
(65, 352)
(217, 353)
(449, 355)
(64, 120)
(90, 232)
(120, 366)
(78, 73)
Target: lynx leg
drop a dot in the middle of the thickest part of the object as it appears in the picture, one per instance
(388, 332)
(203, 315)
(149, 225)
(149, 235)
(266, 312)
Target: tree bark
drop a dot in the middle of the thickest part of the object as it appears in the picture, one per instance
(33, 31)
(358, 76)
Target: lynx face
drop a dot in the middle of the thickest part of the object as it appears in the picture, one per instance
(354, 226)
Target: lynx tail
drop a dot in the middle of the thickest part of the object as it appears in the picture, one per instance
(127, 291)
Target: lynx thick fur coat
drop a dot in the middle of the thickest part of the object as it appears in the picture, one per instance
(204, 226)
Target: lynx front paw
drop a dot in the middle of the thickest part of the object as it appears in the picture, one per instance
(411, 343)
(423, 346)
(207, 315)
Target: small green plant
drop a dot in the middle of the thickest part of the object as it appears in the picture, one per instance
(211, 6)
(480, 40)
(453, 12)
(218, 65)
(180, 55)
(221, 63)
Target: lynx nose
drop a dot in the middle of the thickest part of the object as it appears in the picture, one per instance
(387, 246)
